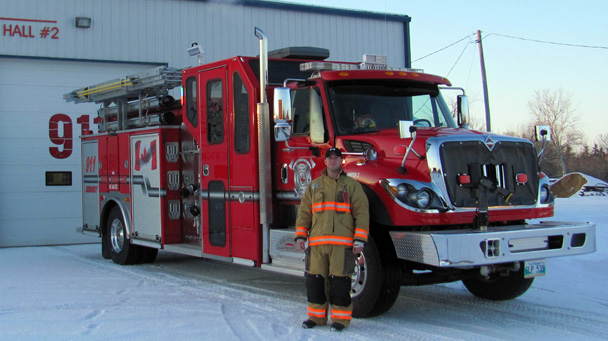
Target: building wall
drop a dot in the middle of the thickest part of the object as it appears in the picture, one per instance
(43, 56)
(160, 31)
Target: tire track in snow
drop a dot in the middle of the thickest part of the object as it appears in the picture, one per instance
(445, 306)
(421, 313)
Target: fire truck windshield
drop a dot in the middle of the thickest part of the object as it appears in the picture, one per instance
(363, 106)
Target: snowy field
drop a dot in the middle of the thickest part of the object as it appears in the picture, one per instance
(72, 293)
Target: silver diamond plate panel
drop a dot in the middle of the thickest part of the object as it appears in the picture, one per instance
(415, 247)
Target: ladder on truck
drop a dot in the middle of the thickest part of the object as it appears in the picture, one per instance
(134, 101)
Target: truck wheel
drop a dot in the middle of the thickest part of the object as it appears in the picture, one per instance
(497, 287)
(121, 250)
(376, 282)
(147, 255)
(105, 245)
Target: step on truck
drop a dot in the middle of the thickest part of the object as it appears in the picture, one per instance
(219, 172)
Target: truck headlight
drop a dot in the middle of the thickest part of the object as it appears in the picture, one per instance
(402, 192)
(416, 197)
(545, 194)
(421, 198)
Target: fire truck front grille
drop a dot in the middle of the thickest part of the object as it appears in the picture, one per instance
(509, 165)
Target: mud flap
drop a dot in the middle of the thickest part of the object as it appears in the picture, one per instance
(568, 185)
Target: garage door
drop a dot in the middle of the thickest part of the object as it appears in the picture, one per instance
(40, 182)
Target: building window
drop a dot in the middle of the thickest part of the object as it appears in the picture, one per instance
(59, 178)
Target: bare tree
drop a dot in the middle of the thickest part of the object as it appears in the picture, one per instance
(524, 130)
(602, 141)
(555, 108)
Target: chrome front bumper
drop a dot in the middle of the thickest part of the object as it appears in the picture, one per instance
(504, 244)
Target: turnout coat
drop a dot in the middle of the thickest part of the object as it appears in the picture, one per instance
(333, 212)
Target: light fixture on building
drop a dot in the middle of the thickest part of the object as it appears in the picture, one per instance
(83, 22)
(196, 50)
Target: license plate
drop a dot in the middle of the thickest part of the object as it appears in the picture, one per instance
(534, 268)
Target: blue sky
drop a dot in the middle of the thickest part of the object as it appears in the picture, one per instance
(515, 68)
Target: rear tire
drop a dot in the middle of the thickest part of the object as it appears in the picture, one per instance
(377, 279)
(148, 255)
(497, 287)
(121, 250)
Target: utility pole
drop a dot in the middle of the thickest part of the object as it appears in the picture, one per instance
(484, 82)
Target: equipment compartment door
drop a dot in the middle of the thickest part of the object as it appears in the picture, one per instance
(214, 161)
(145, 187)
(90, 185)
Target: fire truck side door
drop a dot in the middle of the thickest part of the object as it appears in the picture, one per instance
(215, 180)
(301, 164)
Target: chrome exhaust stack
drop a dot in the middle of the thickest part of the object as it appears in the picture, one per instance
(264, 162)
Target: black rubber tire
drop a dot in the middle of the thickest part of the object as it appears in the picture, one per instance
(121, 250)
(105, 246)
(147, 255)
(497, 287)
(378, 291)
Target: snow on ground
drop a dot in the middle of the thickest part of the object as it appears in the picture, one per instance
(594, 181)
(72, 293)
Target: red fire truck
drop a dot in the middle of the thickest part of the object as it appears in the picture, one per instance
(208, 176)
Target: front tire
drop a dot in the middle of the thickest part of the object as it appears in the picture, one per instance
(121, 250)
(377, 279)
(497, 287)
(148, 255)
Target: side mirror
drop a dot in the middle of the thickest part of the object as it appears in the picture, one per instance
(543, 133)
(463, 111)
(317, 131)
(282, 131)
(282, 104)
(404, 129)
(282, 114)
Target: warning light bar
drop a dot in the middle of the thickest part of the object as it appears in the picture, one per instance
(327, 66)
(370, 62)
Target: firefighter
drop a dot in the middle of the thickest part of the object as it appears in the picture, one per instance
(334, 218)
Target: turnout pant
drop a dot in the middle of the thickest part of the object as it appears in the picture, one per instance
(328, 282)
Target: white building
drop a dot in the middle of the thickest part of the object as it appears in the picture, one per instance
(51, 47)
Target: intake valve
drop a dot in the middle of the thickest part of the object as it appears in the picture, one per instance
(484, 186)
(195, 211)
(491, 186)
(189, 190)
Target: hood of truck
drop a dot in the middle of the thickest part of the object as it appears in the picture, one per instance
(391, 151)
(450, 162)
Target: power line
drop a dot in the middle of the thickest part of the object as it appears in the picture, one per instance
(461, 53)
(547, 42)
(441, 49)
(513, 37)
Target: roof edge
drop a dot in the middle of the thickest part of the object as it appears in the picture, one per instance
(318, 9)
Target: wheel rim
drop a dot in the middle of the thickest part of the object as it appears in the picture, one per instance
(117, 236)
(359, 278)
